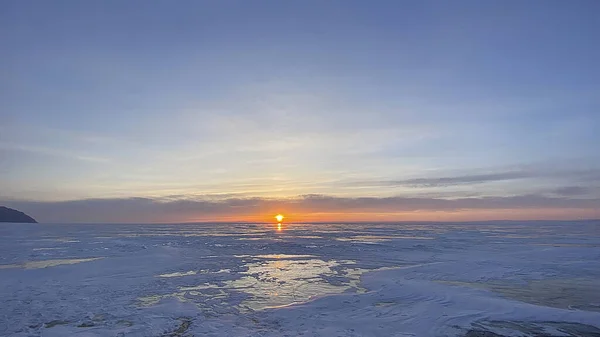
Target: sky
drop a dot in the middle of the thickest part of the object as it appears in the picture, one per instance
(162, 111)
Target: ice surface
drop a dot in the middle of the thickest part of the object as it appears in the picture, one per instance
(489, 279)
(47, 263)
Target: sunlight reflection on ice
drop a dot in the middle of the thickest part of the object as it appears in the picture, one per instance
(379, 238)
(281, 280)
(193, 272)
(282, 256)
(47, 263)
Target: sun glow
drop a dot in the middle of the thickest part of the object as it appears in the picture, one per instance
(279, 217)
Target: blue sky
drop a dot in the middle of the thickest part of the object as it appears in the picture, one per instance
(282, 101)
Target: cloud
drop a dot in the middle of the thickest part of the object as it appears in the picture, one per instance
(144, 210)
(463, 180)
(589, 175)
(52, 152)
(569, 191)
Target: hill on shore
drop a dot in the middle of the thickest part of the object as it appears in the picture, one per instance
(12, 215)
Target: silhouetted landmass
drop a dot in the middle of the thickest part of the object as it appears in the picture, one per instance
(12, 215)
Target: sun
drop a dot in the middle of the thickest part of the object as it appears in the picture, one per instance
(279, 217)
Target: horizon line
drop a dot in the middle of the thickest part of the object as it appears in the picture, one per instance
(304, 222)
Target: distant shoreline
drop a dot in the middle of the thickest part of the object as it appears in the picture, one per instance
(313, 222)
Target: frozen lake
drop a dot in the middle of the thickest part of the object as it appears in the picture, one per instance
(487, 279)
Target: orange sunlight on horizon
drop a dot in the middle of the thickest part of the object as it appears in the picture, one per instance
(306, 216)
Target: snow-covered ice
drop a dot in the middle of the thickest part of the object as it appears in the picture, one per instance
(470, 279)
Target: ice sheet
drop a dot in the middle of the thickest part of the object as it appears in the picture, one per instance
(521, 279)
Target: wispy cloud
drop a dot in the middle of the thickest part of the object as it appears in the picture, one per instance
(52, 152)
(462, 180)
(588, 175)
